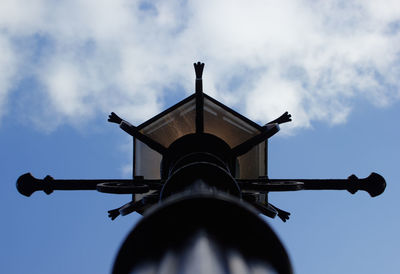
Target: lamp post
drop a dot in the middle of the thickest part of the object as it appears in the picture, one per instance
(200, 179)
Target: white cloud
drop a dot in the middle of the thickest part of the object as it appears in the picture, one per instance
(8, 65)
(313, 58)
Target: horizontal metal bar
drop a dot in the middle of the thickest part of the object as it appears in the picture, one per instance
(28, 184)
(267, 186)
(374, 184)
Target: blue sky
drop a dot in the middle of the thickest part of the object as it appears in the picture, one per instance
(334, 65)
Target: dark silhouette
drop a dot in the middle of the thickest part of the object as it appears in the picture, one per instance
(201, 195)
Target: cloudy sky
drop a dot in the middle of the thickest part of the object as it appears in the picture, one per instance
(64, 65)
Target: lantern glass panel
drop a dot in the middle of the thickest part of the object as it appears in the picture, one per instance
(226, 125)
(173, 125)
(253, 163)
(147, 161)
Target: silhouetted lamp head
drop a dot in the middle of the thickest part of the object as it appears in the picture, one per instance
(219, 120)
(200, 165)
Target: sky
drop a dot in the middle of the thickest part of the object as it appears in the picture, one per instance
(65, 65)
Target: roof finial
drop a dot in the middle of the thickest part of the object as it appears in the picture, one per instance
(198, 67)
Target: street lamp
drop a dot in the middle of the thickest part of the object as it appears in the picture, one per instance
(200, 179)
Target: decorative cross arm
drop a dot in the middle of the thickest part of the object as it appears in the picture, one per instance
(27, 185)
(133, 131)
(284, 118)
(374, 184)
(267, 131)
